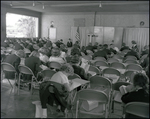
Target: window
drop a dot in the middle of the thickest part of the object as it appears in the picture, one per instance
(21, 26)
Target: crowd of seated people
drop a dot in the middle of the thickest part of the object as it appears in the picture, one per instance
(43, 51)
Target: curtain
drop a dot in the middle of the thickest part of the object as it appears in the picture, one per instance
(140, 35)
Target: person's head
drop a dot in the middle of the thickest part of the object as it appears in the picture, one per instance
(89, 44)
(43, 51)
(105, 46)
(140, 80)
(67, 69)
(75, 59)
(55, 51)
(69, 39)
(61, 40)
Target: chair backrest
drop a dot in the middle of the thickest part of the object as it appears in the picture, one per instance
(100, 81)
(100, 59)
(125, 51)
(117, 65)
(25, 70)
(128, 74)
(94, 69)
(87, 57)
(55, 65)
(134, 67)
(118, 84)
(101, 63)
(140, 109)
(131, 61)
(111, 71)
(89, 52)
(130, 57)
(111, 60)
(92, 95)
(7, 67)
(74, 76)
(48, 72)
(117, 56)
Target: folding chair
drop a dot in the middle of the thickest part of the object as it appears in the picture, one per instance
(26, 70)
(134, 67)
(94, 69)
(48, 72)
(97, 97)
(54, 65)
(70, 77)
(87, 57)
(100, 59)
(116, 96)
(8, 68)
(111, 60)
(101, 63)
(131, 61)
(140, 109)
(117, 56)
(117, 65)
(130, 57)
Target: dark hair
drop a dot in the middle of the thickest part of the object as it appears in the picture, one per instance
(141, 80)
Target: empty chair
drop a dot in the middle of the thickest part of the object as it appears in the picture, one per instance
(74, 76)
(117, 56)
(94, 69)
(134, 67)
(128, 75)
(99, 59)
(139, 109)
(8, 68)
(116, 96)
(26, 70)
(87, 57)
(125, 51)
(131, 61)
(54, 65)
(130, 57)
(111, 60)
(117, 65)
(98, 97)
(101, 63)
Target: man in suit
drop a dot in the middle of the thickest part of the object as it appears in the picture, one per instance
(69, 43)
(17, 45)
(89, 47)
(134, 45)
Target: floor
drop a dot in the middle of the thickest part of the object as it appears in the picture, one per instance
(20, 106)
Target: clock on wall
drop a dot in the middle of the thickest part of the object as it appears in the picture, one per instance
(142, 23)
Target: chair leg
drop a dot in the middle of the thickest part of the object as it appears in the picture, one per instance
(32, 86)
(77, 109)
(19, 83)
(10, 83)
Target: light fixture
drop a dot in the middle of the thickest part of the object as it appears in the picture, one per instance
(100, 5)
(33, 3)
(11, 4)
(43, 6)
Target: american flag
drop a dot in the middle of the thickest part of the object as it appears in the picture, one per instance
(77, 36)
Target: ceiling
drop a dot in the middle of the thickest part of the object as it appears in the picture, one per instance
(80, 6)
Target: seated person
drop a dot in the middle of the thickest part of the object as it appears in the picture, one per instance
(133, 52)
(145, 50)
(55, 56)
(134, 45)
(43, 57)
(77, 44)
(95, 46)
(69, 43)
(76, 62)
(105, 48)
(124, 47)
(83, 49)
(75, 50)
(100, 53)
(145, 62)
(89, 47)
(137, 92)
(112, 49)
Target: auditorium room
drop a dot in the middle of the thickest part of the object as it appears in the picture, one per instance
(75, 59)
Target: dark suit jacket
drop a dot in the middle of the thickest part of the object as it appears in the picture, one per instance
(89, 48)
(30, 47)
(124, 48)
(80, 71)
(145, 63)
(33, 63)
(112, 50)
(18, 46)
(100, 53)
(69, 44)
(107, 51)
(75, 51)
(13, 60)
(133, 53)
